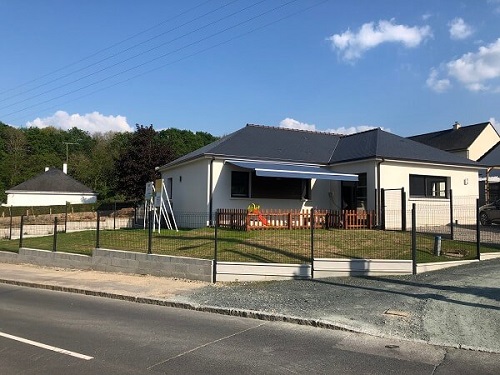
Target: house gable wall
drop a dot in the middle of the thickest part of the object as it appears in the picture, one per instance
(484, 142)
(190, 184)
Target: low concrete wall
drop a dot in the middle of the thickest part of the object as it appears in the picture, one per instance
(116, 261)
(201, 269)
(486, 256)
(242, 271)
(327, 267)
(151, 264)
(427, 267)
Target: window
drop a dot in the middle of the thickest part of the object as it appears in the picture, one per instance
(429, 186)
(280, 188)
(240, 184)
(249, 185)
(361, 191)
(170, 183)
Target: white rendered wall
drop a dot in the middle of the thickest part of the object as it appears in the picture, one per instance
(48, 199)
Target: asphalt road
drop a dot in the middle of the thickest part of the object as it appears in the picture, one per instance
(92, 335)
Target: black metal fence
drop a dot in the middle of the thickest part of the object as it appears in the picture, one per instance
(431, 235)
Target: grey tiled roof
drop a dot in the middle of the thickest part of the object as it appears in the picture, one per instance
(377, 143)
(452, 139)
(53, 180)
(279, 144)
(270, 143)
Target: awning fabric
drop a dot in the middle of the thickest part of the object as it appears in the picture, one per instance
(293, 171)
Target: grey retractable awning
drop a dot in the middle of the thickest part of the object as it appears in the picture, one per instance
(293, 171)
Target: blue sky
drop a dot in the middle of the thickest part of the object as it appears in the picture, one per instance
(409, 67)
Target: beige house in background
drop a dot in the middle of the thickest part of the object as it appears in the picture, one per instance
(471, 141)
(478, 142)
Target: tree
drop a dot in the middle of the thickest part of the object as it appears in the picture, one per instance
(137, 162)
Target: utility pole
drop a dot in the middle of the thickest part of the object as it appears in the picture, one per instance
(67, 149)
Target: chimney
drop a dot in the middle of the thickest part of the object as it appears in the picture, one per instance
(456, 125)
(65, 168)
(46, 169)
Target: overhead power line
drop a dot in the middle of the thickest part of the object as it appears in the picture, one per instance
(134, 56)
(107, 48)
(110, 57)
(175, 51)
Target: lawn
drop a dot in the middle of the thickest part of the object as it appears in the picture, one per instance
(280, 246)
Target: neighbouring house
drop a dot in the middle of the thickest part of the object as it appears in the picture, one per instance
(476, 142)
(489, 178)
(280, 168)
(51, 188)
(471, 141)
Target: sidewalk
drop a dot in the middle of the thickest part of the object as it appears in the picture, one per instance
(457, 307)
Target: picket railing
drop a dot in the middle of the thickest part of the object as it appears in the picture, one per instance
(241, 219)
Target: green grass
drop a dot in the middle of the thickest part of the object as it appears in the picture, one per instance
(268, 246)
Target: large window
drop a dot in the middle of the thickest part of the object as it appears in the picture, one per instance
(240, 184)
(249, 185)
(429, 186)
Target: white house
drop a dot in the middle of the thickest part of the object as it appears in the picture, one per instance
(51, 188)
(280, 168)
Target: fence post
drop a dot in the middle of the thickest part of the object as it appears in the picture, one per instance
(54, 244)
(150, 231)
(452, 222)
(10, 225)
(97, 242)
(382, 209)
(478, 232)
(312, 242)
(66, 219)
(21, 229)
(214, 266)
(114, 217)
(403, 209)
(414, 238)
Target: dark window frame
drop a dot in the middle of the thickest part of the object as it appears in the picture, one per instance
(425, 186)
(240, 184)
(269, 187)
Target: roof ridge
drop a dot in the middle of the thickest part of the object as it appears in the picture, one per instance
(357, 133)
(294, 130)
(450, 129)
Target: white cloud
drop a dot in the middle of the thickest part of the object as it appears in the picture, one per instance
(91, 122)
(477, 71)
(438, 85)
(495, 4)
(426, 16)
(290, 123)
(459, 29)
(355, 129)
(351, 45)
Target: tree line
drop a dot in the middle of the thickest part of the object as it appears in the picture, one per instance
(115, 165)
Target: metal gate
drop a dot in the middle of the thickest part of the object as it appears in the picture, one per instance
(393, 209)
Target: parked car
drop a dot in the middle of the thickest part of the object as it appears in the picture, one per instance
(490, 213)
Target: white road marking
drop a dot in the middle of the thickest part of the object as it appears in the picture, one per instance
(48, 347)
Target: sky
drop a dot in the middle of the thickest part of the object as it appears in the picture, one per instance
(408, 67)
